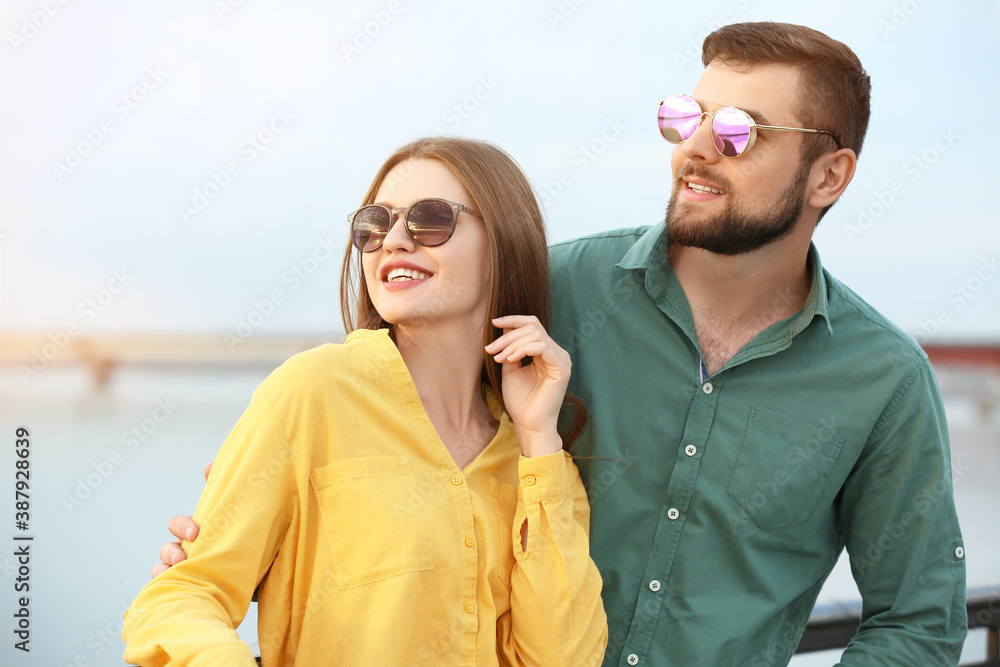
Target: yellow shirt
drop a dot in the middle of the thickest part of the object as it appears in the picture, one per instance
(370, 546)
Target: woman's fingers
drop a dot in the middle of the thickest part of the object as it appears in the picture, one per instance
(515, 327)
(511, 345)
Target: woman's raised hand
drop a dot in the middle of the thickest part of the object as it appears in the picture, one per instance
(532, 393)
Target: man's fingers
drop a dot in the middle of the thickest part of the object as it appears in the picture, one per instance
(159, 569)
(183, 527)
(208, 469)
(171, 554)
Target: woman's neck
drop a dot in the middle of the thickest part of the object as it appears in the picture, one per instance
(446, 366)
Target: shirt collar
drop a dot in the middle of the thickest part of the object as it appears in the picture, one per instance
(650, 253)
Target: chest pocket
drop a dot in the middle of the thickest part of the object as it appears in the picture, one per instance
(783, 468)
(375, 521)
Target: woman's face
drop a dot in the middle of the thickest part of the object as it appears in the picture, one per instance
(411, 285)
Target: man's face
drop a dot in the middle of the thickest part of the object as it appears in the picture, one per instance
(736, 205)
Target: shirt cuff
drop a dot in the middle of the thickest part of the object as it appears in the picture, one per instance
(543, 477)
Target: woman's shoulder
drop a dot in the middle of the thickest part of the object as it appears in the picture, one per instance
(322, 367)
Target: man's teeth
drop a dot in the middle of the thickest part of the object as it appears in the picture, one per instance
(705, 188)
(406, 274)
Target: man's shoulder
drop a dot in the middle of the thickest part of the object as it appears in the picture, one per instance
(609, 246)
(850, 312)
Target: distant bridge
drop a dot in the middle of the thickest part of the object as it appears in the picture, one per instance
(32, 352)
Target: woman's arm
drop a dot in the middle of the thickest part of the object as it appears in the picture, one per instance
(556, 615)
(188, 614)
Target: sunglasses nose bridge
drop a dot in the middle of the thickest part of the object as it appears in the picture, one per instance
(397, 235)
(693, 144)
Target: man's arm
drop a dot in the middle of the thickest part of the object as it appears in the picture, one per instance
(902, 534)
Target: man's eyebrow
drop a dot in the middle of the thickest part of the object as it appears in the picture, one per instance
(757, 116)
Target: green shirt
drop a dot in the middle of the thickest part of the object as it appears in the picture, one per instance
(723, 502)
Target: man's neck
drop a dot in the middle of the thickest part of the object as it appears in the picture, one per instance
(734, 298)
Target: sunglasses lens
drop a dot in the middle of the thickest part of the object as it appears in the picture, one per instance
(731, 131)
(370, 226)
(679, 117)
(430, 222)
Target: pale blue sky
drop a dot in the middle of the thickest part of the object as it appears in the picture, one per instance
(542, 79)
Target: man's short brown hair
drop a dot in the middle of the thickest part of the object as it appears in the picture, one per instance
(835, 92)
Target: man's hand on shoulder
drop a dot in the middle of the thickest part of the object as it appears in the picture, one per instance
(182, 527)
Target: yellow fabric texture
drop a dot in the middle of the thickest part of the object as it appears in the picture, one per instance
(336, 496)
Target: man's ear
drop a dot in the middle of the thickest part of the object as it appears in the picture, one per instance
(829, 176)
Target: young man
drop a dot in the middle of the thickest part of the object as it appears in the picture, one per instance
(749, 416)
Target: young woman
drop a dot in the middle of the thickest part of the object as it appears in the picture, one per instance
(402, 498)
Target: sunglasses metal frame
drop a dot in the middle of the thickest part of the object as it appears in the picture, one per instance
(404, 211)
(752, 125)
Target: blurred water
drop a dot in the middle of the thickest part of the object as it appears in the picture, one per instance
(98, 518)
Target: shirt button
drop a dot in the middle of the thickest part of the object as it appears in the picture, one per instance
(632, 659)
(456, 480)
(707, 387)
(469, 542)
(470, 607)
(690, 450)
(959, 552)
(654, 585)
(530, 480)
(672, 513)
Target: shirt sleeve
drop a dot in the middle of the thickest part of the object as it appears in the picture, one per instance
(902, 534)
(188, 614)
(556, 616)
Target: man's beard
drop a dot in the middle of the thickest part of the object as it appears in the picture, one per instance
(735, 231)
